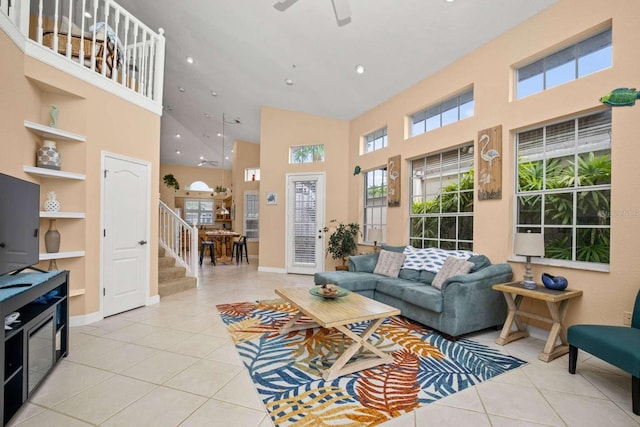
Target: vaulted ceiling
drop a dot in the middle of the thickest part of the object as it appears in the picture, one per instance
(245, 52)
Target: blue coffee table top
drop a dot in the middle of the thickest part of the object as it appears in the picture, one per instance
(7, 282)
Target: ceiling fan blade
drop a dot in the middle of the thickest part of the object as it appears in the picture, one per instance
(283, 5)
(342, 11)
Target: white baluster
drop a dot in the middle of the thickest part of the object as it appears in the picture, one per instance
(40, 31)
(84, 10)
(158, 75)
(134, 80)
(68, 47)
(125, 48)
(55, 28)
(93, 37)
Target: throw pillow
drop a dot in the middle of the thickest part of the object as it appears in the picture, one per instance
(431, 259)
(389, 263)
(452, 267)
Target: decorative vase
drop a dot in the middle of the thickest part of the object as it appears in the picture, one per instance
(47, 156)
(52, 238)
(51, 204)
(557, 283)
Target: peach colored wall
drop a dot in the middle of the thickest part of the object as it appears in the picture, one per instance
(185, 175)
(109, 123)
(281, 129)
(246, 155)
(489, 71)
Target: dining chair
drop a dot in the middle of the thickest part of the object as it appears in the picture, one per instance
(204, 244)
(238, 246)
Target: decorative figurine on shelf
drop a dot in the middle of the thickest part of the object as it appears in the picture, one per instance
(53, 112)
(51, 204)
(48, 156)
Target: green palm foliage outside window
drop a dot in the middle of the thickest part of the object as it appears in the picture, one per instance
(564, 187)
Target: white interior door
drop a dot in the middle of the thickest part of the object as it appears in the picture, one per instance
(125, 267)
(305, 219)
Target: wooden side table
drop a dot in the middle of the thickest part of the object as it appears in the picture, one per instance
(557, 303)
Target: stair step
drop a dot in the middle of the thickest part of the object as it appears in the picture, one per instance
(174, 286)
(161, 251)
(168, 273)
(166, 261)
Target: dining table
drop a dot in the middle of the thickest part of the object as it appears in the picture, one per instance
(224, 238)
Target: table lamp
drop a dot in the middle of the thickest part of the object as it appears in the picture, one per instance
(528, 245)
(375, 234)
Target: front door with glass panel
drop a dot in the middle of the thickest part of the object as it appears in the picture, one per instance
(305, 219)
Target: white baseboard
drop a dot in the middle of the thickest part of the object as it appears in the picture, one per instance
(85, 319)
(153, 300)
(272, 270)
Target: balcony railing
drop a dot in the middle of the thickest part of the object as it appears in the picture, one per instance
(98, 35)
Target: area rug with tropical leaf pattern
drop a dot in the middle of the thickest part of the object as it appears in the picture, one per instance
(287, 369)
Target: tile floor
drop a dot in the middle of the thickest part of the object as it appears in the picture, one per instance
(173, 364)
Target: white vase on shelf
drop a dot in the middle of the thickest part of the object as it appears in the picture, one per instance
(51, 204)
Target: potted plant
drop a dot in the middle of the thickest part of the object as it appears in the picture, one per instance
(343, 241)
(171, 181)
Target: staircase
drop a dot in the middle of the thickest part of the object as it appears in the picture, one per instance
(172, 279)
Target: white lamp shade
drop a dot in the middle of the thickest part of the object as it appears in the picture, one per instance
(528, 244)
(375, 235)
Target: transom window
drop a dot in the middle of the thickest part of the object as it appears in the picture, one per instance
(252, 174)
(571, 63)
(447, 112)
(375, 140)
(564, 187)
(375, 203)
(307, 154)
(442, 200)
(198, 211)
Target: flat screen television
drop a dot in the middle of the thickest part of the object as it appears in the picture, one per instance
(19, 224)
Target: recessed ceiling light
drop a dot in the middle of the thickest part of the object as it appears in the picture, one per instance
(360, 69)
(181, 89)
(201, 157)
(178, 152)
(178, 135)
(449, 1)
(189, 60)
(214, 93)
(289, 82)
(219, 134)
(226, 158)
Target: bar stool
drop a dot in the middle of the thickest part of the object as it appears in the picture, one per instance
(237, 248)
(204, 244)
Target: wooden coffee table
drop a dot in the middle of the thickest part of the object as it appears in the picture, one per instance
(338, 313)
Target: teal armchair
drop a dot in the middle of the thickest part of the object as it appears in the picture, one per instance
(617, 345)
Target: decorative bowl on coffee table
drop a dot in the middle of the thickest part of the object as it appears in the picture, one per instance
(319, 291)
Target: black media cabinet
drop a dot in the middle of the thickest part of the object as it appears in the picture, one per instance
(34, 345)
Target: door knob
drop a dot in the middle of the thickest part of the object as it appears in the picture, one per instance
(142, 242)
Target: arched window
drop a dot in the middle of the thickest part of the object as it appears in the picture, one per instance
(199, 186)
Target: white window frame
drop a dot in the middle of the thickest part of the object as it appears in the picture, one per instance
(541, 69)
(452, 110)
(200, 211)
(375, 207)
(375, 140)
(249, 174)
(251, 200)
(315, 154)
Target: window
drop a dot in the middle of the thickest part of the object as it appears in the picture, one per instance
(307, 154)
(573, 62)
(198, 211)
(199, 186)
(442, 200)
(251, 175)
(448, 112)
(251, 210)
(375, 140)
(375, 203)
(564, 187)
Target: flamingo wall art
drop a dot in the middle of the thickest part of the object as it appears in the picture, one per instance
(393, 181)
(490, 163)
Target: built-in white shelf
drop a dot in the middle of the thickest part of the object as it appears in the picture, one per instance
(52, 173)
(76, 292)
(53, 133)
(59, 255)
(45, 214)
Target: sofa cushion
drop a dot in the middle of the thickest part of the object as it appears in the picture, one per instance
(430, 259)
(424, 296)
(395, 287)
(479, 262)
(393, 248)
(426, 277)
(452, 267)
(351, 280)
(389, 263)
(364, 263)
(408, 274)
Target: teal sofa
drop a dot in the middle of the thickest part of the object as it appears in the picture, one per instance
(465, 304)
